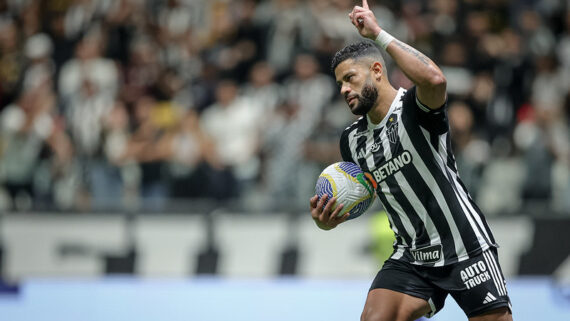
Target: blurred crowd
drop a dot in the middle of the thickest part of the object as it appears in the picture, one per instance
(113, 104)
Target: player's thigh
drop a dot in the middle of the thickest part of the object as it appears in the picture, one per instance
(389, 305)
(399, 292)
(500, 314)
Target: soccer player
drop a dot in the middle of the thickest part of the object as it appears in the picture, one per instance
(443, 243)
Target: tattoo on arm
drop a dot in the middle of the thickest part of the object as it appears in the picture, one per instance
(421, 57)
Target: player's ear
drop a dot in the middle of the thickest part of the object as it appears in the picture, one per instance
(376, 70)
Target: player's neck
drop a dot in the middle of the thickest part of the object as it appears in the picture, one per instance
(386, 96)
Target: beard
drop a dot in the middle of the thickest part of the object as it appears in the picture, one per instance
(366, 99)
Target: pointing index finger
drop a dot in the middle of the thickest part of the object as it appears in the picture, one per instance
(365, 4)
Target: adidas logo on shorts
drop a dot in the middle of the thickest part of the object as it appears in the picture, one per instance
(489, 298)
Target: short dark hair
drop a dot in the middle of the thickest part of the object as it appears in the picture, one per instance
(355, 51)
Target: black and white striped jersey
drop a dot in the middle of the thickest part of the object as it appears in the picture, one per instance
(408, 154)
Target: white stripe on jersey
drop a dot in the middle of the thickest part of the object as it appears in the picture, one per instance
(428, 178)
(404, 218)
(466, 200)
(393, 202)
(420, 210)
(469, 211)
(370, 156)
(399, 253)
(413, 199)
(352, 141)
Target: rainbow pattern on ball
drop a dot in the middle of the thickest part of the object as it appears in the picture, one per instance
(346, 182)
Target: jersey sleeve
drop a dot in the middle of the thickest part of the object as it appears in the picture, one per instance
(433, 120)
(344, 147)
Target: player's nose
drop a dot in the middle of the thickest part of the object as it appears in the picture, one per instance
(345, 90)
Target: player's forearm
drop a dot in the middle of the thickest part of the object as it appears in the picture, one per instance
(421, 70)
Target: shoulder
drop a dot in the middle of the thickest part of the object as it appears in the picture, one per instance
(358, 126)
(434, 120)
(413, 105)
(347, 134)
(411, 100)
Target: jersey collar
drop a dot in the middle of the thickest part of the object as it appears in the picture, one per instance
(395, 103)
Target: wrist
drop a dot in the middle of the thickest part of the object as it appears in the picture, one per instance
(376, 31)
(383, 39)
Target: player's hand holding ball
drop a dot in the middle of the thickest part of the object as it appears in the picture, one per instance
(364, 20)
(345, 183)
(324, 215)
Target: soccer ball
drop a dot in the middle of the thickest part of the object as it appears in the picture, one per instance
(351, 187)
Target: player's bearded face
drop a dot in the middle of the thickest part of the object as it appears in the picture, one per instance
(366, 99)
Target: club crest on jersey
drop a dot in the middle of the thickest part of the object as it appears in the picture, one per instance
(392, 129)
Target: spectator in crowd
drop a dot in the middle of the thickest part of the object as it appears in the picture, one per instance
(89, 65)
(262, 88)
(471, 152)
(109, 177)
(233, 123)
(291, 29)
(120, 28)
(306, 94)
(142, 71)
(30, 134)
(545, 130)
(88, 85)
(148, 146)
(191, 157)
(40, 67)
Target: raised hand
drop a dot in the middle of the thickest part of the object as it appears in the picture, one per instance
(365, 21)
(325, 217)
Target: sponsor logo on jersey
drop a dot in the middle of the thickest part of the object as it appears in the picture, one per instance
(392, 166)
(375, 147)
(475, 274)
(429, 254)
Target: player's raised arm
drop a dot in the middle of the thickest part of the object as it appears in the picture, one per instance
(422, 71)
